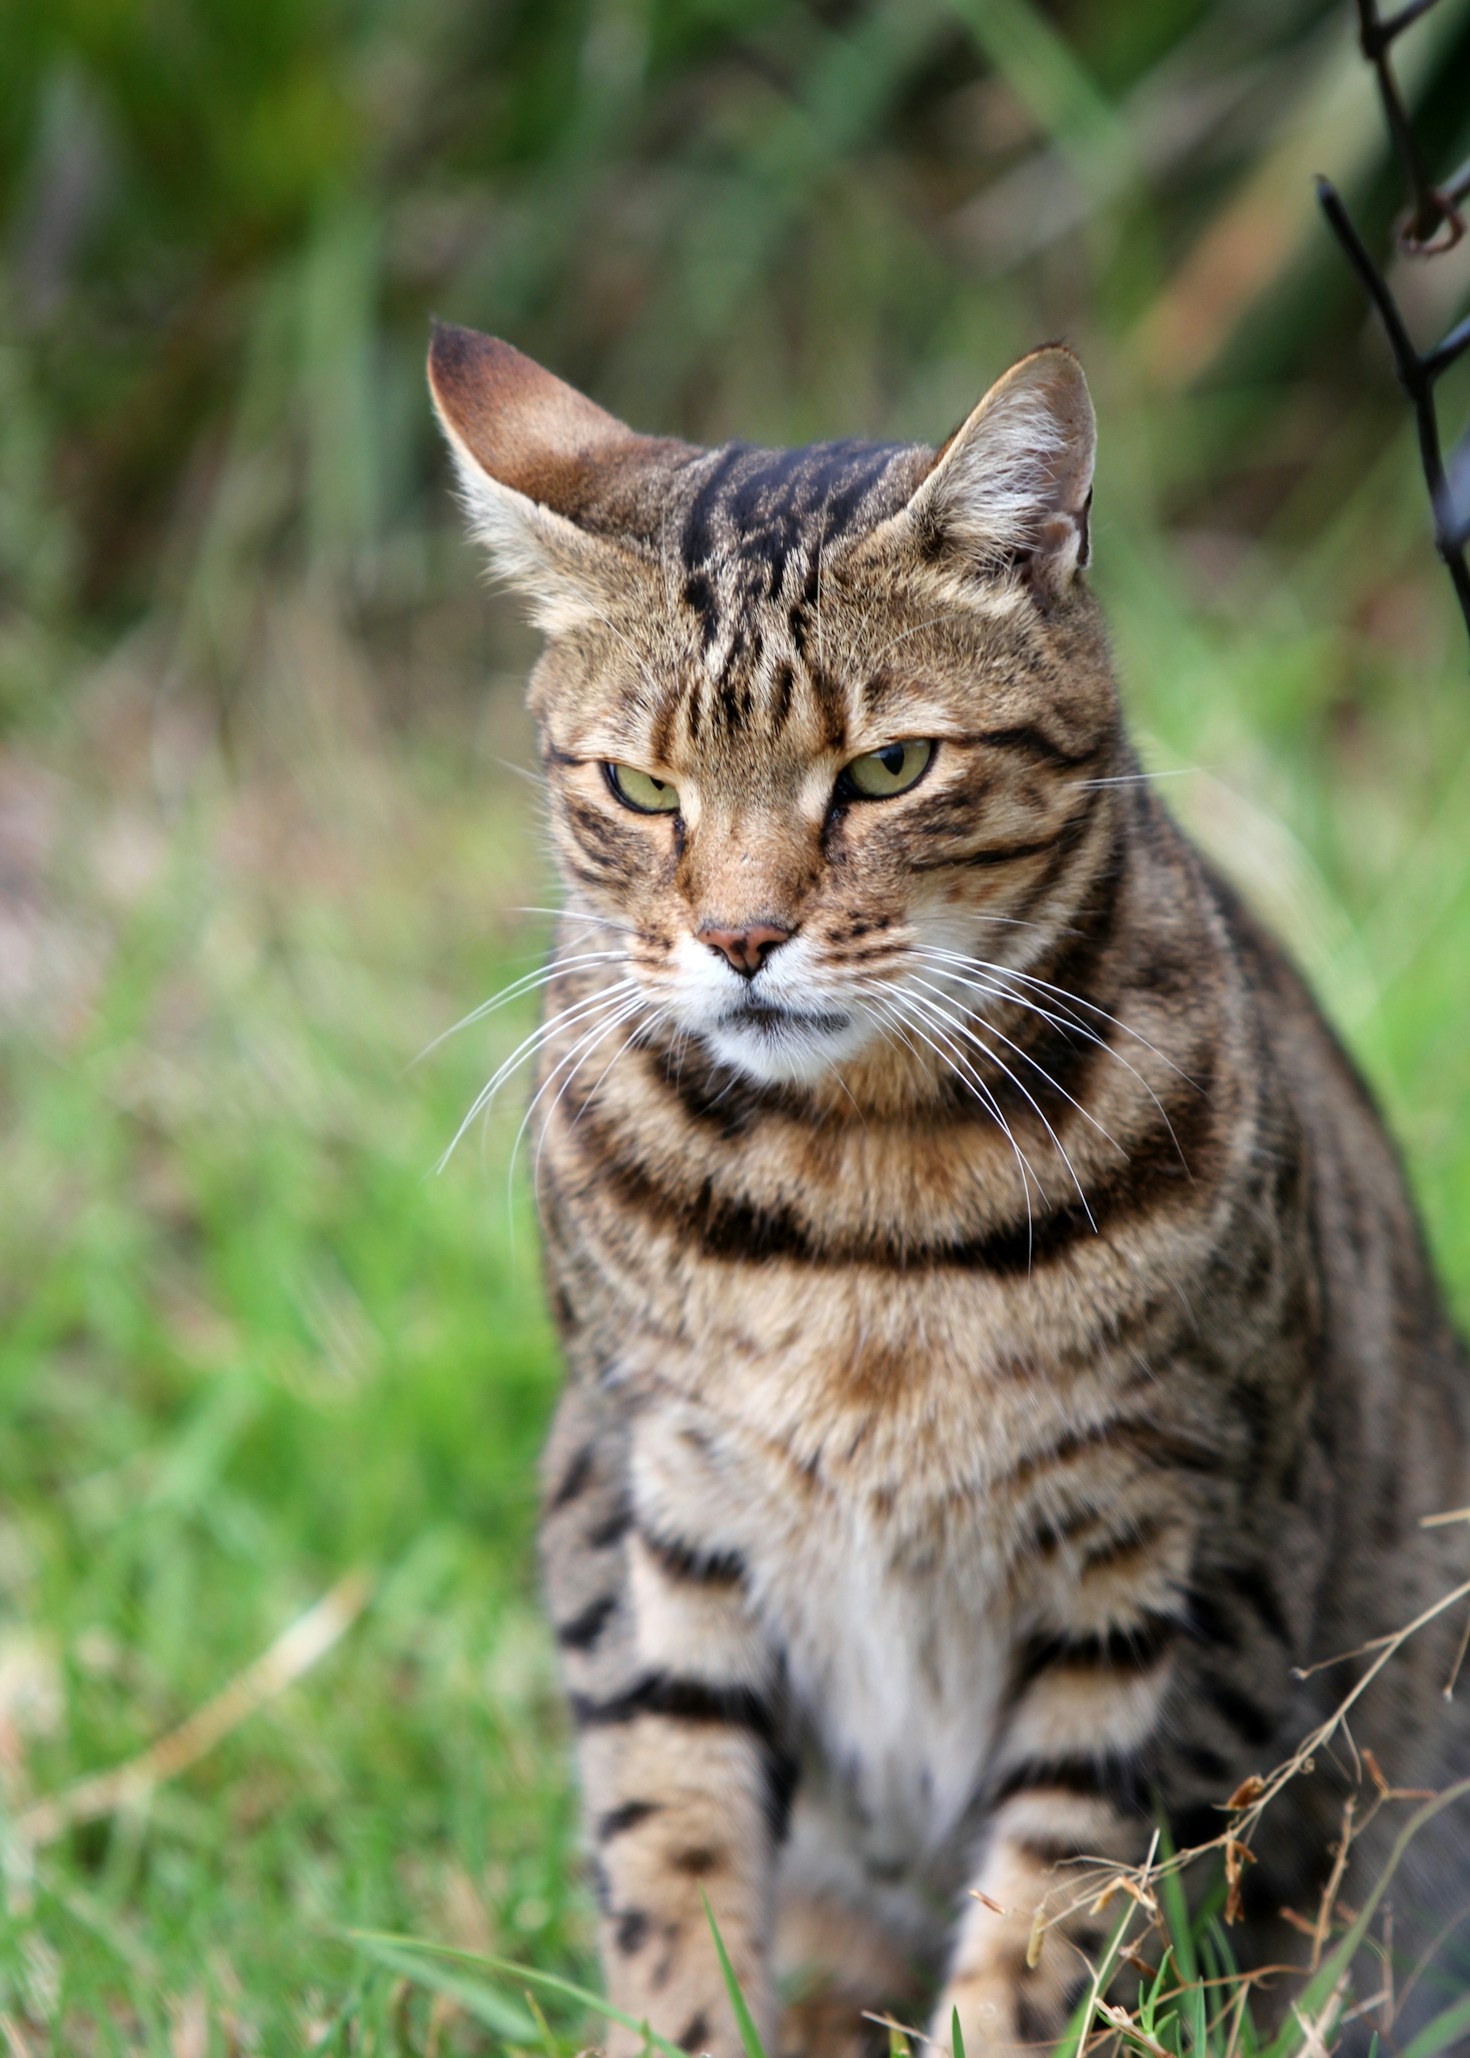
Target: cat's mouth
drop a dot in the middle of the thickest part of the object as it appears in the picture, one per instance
(773, 1020)
(771, 1041)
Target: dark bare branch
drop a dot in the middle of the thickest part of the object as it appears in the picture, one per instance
(1433, 224)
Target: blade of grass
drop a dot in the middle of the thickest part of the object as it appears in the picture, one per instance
(506, 1968)
(487, 2007)
(750, 2036)
(1325, 1984)
(1176, 1915)
(548, 2041)
(1442, 2034)
(1046, 75)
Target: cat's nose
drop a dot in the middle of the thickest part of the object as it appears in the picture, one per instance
(745, 949)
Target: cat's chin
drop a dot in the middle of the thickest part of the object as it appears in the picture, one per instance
(780, 1047)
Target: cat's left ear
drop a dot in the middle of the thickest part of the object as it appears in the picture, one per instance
(547, 477)
(1012, 488)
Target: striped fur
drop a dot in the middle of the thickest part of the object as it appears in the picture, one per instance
(1000, 1343)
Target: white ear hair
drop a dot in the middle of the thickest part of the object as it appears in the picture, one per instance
(530, 452)
(542, 555)
(1014, 483)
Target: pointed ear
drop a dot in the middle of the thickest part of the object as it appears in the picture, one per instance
(535, 459)
(1012, 487)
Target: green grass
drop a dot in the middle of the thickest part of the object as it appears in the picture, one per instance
(250, 1345)
(253, 1344)
(258, 847)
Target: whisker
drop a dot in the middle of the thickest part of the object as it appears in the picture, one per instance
(1139, 778)
(580, 915)
(1060, 993)
(1065, 1021)
(956, 1062)
(537, 779)
(585, 1044)
(632, 649)
(639, 1030)
(564, 1018)
(980, 1044)
(1036, 1066)
(821, 540)
(934, 621)
(518, 988)
(1072, 1022)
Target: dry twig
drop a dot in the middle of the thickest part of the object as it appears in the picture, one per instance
(1434, 223)
(307, 1641)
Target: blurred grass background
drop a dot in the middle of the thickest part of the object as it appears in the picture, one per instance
(259, 841)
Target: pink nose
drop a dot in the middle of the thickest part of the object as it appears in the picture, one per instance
(746, 949)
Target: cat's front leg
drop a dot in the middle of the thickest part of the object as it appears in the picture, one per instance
(1070, 1790)
(1030, 1932)
(1169, 1700)
(685, 1787)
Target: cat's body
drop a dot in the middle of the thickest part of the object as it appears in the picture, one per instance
(1000, 1344)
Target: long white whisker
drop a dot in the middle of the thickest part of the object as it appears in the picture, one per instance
(564, 1018)
(1065, 1021)
(527, 983)
(632, 649)
(585, 1045)
(1139, 778)
(639, 1029)
(960, 1065)
(821, 539)
(1022, 1052)
(1071, 1022)
(580, 915)
(905, 1004)
(958, 1023)
(1059, 993)
(537, 779)
(917, 628)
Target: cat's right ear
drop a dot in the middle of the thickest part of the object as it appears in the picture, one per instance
(531, 454)
(1007, 497)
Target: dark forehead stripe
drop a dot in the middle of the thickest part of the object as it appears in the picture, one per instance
(755, 525)
(766, 505)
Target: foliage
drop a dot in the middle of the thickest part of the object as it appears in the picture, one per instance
(258, 845)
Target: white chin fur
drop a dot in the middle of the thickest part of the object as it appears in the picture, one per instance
(777, 1052)
(805, 1034)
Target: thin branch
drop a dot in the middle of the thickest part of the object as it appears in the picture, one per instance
(1433, 224)
(1377, 39)
(293, 1653)
(1444, 354)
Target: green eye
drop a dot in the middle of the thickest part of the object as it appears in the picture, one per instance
(642, 791)
(882, 773)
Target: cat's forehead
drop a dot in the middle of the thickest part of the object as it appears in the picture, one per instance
(763, 515)
(744, 544)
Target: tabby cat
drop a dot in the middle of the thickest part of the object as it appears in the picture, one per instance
(1001, 1346)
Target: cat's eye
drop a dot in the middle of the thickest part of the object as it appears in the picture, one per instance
(882, 773)
(642, 791)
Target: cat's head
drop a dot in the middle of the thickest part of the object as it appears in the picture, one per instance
(821, 727)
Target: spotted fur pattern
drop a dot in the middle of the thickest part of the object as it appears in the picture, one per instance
(1000, 1345)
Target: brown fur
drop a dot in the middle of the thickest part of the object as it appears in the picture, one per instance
(976, 1410)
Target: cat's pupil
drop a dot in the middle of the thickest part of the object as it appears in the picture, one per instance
(892, 758)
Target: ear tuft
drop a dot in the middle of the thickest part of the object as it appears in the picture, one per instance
(1013, 485)
(536, 460)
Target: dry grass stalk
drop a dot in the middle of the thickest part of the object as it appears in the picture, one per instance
(1095, 1888)
(293, 1654)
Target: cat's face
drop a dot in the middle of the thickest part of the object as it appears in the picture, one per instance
(821, 728)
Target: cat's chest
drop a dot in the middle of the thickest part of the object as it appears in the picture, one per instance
(887, 1610)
